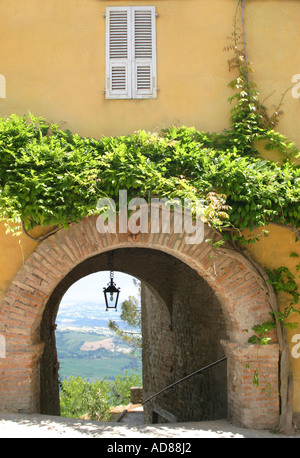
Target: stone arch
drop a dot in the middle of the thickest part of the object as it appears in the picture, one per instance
(242, 298)
(182, 329)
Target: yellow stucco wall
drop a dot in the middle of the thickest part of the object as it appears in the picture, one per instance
(273, 252)
(52, 54)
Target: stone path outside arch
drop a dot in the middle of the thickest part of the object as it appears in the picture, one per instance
(242, 298)
(44, 426)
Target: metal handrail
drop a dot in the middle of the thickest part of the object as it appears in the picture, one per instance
(185, 378)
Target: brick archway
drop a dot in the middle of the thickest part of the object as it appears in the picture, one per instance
(243, 301)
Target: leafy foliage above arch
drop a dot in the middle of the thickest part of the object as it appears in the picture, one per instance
(50, 177)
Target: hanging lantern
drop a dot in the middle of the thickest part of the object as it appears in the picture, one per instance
(111, 294)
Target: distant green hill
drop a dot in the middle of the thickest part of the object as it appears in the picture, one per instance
(94, 355)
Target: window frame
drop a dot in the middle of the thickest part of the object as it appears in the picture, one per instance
(131, 63)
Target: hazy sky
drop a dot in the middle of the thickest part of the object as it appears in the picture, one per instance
(90, 288)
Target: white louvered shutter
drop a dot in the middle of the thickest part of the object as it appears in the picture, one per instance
(118, 53)
(144, 52)
(131, 52)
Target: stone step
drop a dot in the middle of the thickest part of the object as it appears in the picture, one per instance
(132, 414)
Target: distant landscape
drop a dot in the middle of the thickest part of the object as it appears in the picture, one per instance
(87, 348)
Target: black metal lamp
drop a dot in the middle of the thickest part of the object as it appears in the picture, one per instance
(113, 292)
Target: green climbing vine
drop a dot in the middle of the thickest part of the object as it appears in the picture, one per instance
(283, 281)
(252, 122)
(50, 177)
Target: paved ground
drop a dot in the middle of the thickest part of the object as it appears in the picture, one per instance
(40, 426)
